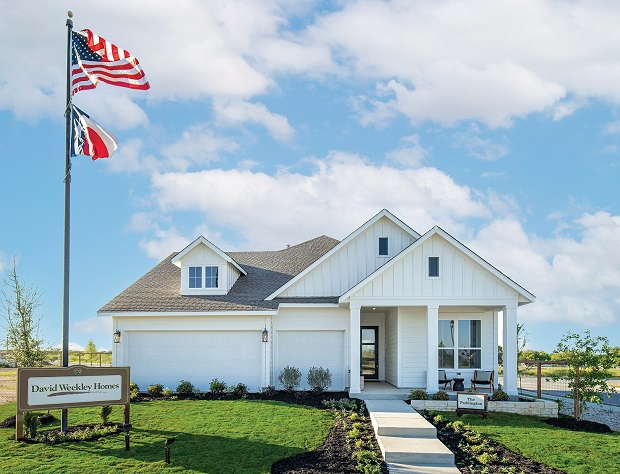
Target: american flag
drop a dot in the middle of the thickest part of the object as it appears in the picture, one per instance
(94, 59)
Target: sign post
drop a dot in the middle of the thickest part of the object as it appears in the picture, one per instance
(70, 387)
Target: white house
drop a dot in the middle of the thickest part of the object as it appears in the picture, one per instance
(386, 302)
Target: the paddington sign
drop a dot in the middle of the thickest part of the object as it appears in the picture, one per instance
(72, 386)
(471, 401)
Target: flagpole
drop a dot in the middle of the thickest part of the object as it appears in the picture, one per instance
(65, 302)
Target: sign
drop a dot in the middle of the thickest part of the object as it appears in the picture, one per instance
(471, 403)
(73, 386)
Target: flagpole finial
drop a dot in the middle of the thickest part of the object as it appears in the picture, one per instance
(70, 14)
(69, 20)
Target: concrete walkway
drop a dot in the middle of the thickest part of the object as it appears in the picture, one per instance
(408, 442)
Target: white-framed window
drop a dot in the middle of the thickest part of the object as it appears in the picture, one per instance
(203, 277)
(433, 267)
(384, 247)
(460, 344)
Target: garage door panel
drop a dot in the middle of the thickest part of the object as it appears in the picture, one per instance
(305, 349)
(195, 356)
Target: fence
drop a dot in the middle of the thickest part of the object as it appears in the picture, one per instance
(54, 358)
(535, 376)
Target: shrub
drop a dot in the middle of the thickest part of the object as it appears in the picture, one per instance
(240, 390)
(134, 390)
(441, 395)
(319, 379)
(268, 391)
(185, 388)
(155, 390)
(167, 392)
(418, 394)
(290, 378)
(31, 424)
(217, 387)
(105, 413)
(302, 395)
(499, 395)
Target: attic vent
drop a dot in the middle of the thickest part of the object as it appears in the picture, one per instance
(288, 246)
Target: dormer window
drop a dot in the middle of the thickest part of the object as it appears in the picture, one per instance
(196, 277)
(383, 247)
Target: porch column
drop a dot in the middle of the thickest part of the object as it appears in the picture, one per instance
(510, 349)
(432, 339)
(354, 339)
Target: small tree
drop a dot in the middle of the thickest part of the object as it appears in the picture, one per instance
(90, 351)
(290, 378)
(21, 324)
(588, 359)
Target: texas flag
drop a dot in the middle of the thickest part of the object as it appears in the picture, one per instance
(90, 138)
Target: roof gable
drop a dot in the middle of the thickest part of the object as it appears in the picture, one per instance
(350, 261)
(202, 241)
(464, 273)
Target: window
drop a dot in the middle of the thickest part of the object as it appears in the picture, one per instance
(433, 266)
(446, 344)
(469, 344)
(383, 246)
(466, 337)
(195, 277)
(210, 277)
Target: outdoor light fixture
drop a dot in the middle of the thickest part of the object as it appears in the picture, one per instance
(167, 444)
(126, 427)
(117, 336)
(265, 335)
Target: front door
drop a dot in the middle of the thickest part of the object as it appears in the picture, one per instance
(370, 352)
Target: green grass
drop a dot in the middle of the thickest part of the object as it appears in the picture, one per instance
(570, 451)
(211, 436)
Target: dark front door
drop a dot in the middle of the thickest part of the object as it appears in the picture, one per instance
(370, 352)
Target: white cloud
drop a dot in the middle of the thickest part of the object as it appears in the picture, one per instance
(4, 261)
(239, 112)
(410, 153)
(478, 147)
(267, 212)
(612, 128)
(94, 325)
(164, 243)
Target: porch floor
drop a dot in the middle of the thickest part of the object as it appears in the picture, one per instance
(376, 390)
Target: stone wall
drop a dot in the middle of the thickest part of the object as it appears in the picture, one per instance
(543, 409)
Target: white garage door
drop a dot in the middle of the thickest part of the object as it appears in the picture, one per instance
(196, 356)
(305, 349)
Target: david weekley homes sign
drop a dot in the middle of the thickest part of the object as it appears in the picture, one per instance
(70, 387)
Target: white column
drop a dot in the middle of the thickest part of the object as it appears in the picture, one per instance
(354, 337)
(509, 345)
(266, 355)
(432, 339)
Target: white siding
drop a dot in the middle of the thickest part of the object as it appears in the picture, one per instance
(352, 263)
(460, 276)
(202, 255)
(413, 340)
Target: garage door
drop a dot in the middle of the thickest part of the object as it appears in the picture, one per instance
(196, 356)
(305, 349)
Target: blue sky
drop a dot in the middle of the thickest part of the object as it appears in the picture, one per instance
(269, 123)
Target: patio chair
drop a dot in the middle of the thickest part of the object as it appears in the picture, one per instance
(483, 377)
(443, 379)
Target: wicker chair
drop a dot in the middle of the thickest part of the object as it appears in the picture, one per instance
(483, 377)
(443, 379)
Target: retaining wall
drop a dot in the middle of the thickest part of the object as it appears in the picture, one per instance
(535, 408)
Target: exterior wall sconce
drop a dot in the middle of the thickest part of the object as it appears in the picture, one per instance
(265, 335)
(116, 336)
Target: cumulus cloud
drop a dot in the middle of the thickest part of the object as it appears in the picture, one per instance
(411, 153)
(94, 325)
(164, 243)
(478, 147)
(239, 112)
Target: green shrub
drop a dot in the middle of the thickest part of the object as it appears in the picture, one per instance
(31, 424)
(319, 379)
(185, 388)
(438, 419)
(105, 413)
(240, 390)
(441, 395)
(216, 387)
(499, 395)
(290, 378)
(134, 390)
(167, 392)
(269, 391)
(155, 390)
(418, 394)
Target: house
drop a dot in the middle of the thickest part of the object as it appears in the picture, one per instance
(385, 302)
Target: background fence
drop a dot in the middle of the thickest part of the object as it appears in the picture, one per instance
(54, 358)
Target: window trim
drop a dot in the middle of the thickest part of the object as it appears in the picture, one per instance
(387, 246)
(195, 279)
(457, 347)
(203, 278)
(217, 275)
(428, 267)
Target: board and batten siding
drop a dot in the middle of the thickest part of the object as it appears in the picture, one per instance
(202, 255)
(352, 263)
(391, 346)
(413, 346)
(459, 276)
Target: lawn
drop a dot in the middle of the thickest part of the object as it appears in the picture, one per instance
(570, 451)
(211, 436)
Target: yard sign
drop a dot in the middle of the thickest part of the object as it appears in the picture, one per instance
(70, 387)
(472, 403)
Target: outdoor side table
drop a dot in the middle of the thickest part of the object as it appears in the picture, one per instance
(458, 384)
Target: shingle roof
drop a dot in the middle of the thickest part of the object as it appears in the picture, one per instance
(159, 290)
